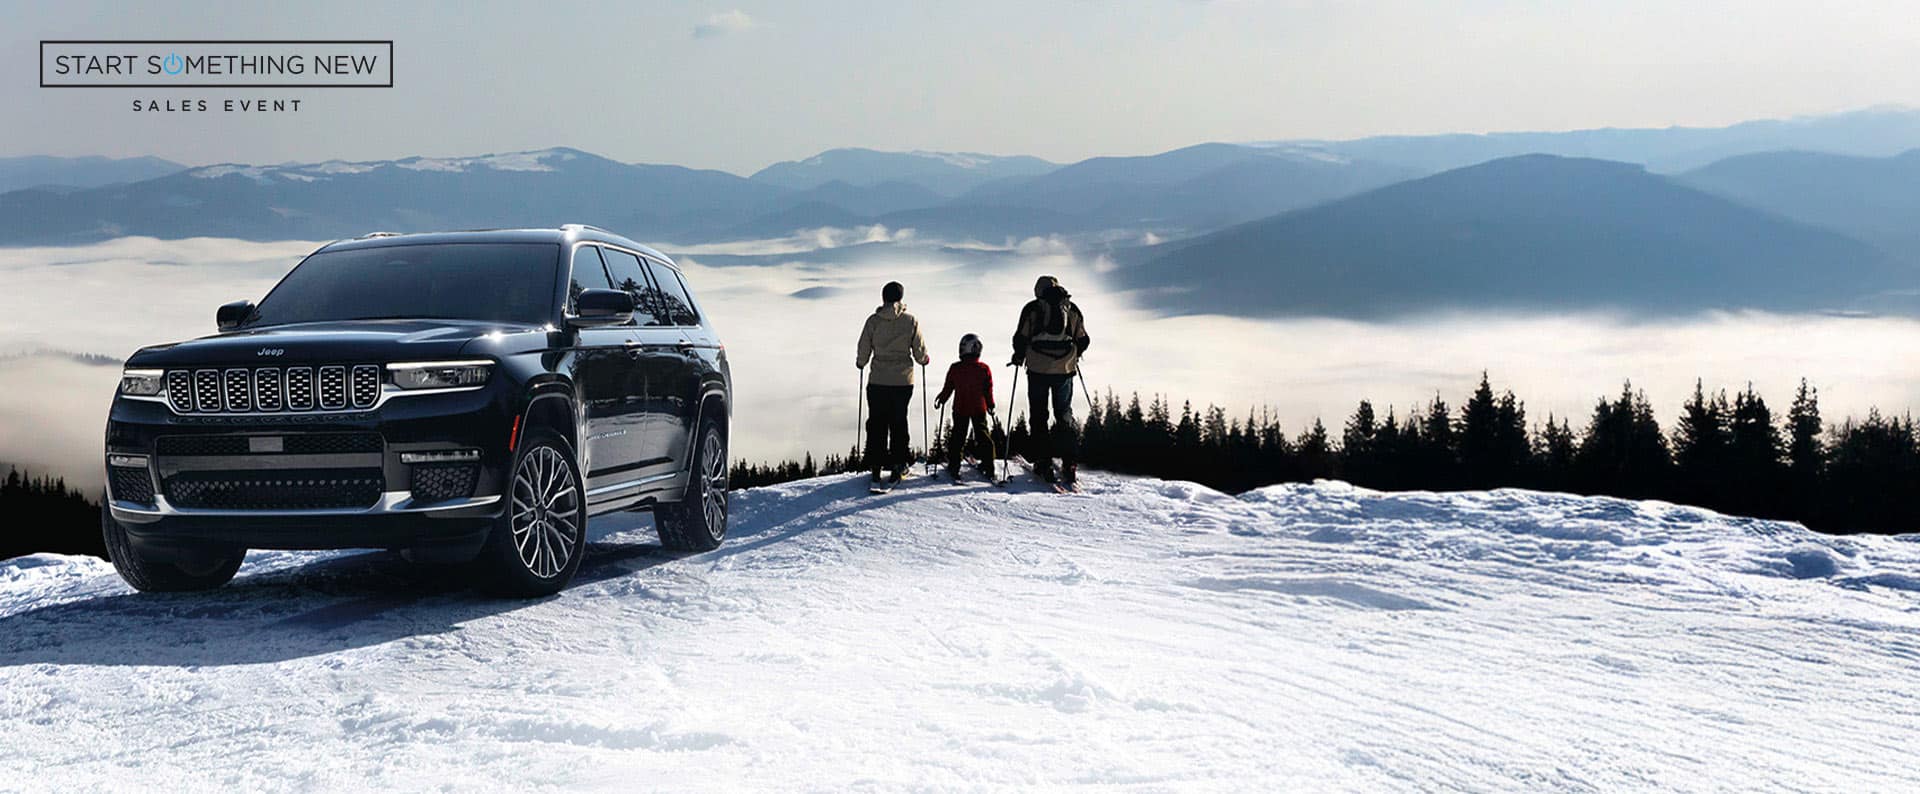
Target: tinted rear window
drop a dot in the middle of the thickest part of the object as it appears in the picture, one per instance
(489, 282)
(667, 301)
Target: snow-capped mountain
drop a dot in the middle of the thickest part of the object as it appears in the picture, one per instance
(946, 173)
(1144, 634)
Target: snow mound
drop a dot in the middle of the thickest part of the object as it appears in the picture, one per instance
(1143, 634)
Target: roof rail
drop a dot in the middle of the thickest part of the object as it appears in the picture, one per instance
(372, 235)
(587, 226)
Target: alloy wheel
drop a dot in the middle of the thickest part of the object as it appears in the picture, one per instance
(546, 512)
(713, 497)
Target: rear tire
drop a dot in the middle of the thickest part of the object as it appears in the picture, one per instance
(698, 522)
(213, 569)
(536, 545)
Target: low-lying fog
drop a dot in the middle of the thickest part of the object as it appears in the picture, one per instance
(790, 331)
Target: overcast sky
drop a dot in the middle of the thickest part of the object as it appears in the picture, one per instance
(737, 84)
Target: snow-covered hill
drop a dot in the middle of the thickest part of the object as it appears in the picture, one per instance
(1145, 634)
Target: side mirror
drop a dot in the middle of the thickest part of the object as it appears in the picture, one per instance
(231, 315)
(597, 307)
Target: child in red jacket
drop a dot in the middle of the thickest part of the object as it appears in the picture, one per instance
(970, 385)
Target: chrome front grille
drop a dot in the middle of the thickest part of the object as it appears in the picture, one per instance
(180, 390)
(334, 387)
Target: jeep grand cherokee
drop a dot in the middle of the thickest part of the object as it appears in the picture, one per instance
(458, 396)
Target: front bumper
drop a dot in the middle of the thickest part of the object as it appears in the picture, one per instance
(154, 455)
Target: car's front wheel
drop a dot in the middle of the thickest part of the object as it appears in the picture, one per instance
(198, 569)
(698, 522)
(536, 546)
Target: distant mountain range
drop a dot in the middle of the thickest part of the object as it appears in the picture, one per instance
(1874, 132)
(1527, 232)
(56, 173)
(1876, 199)
(1811, 214)
(944, 173)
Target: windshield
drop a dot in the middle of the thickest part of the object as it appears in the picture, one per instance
(490, 282)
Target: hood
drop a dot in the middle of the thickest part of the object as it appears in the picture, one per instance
(1045, 283)
(342, 342)
(890, 311)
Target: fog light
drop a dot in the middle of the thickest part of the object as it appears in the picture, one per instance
(128, 461)
(443, 456)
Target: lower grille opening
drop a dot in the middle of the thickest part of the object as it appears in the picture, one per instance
(291, 444)
(435, 482)
(130, 485)
(287, 489)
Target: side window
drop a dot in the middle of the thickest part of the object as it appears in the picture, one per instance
(588, 273)
(626, 273)
(671, 296)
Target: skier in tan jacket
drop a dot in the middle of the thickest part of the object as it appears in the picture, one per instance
(891, 341)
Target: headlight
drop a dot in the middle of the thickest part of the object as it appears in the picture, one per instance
(440, 374)
(142, 382)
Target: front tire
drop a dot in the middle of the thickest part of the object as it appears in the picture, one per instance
(203, 571)
(698, 522)
(537, 543)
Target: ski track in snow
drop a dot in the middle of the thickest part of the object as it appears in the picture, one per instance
(1143, 634)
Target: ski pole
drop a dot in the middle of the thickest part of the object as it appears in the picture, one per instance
(1012, 395)
(1085, 390)
(942, 424)
(859, 415)
(926, 436)
(993, 448)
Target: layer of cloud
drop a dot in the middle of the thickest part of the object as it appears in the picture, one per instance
(790, 330)
(722, 24)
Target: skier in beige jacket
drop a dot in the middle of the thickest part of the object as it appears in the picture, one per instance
(891, 341)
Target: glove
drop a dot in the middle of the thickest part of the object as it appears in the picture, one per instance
(1017, 361)
(939, 402)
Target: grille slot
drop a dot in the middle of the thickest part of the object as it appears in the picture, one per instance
(366, 385)
(334, 387)
(267, 394)
(239, 390)
(434, 482)
(130, 485)
(301, 489)
(206, 390)
(300, 389)
(180, 390)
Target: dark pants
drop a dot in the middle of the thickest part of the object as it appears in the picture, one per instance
(1053, 392)
(888, 444)
(982, 439)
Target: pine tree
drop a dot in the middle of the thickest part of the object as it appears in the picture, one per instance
(1356, 445)
(1316, 453)
(1479, 445)
(1555, 456)
(1701, 443)
(1756, 457)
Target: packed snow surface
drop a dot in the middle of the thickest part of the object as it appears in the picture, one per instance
(1144, 634)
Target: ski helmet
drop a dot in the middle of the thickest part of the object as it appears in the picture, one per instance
(969, 346)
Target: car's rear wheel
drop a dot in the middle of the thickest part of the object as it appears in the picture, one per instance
(536, 546)
(188, 570)
(698, 522)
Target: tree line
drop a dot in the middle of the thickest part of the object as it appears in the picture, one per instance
(1731, 453)
(42, 514)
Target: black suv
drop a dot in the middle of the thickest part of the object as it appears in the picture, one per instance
(457, 396)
